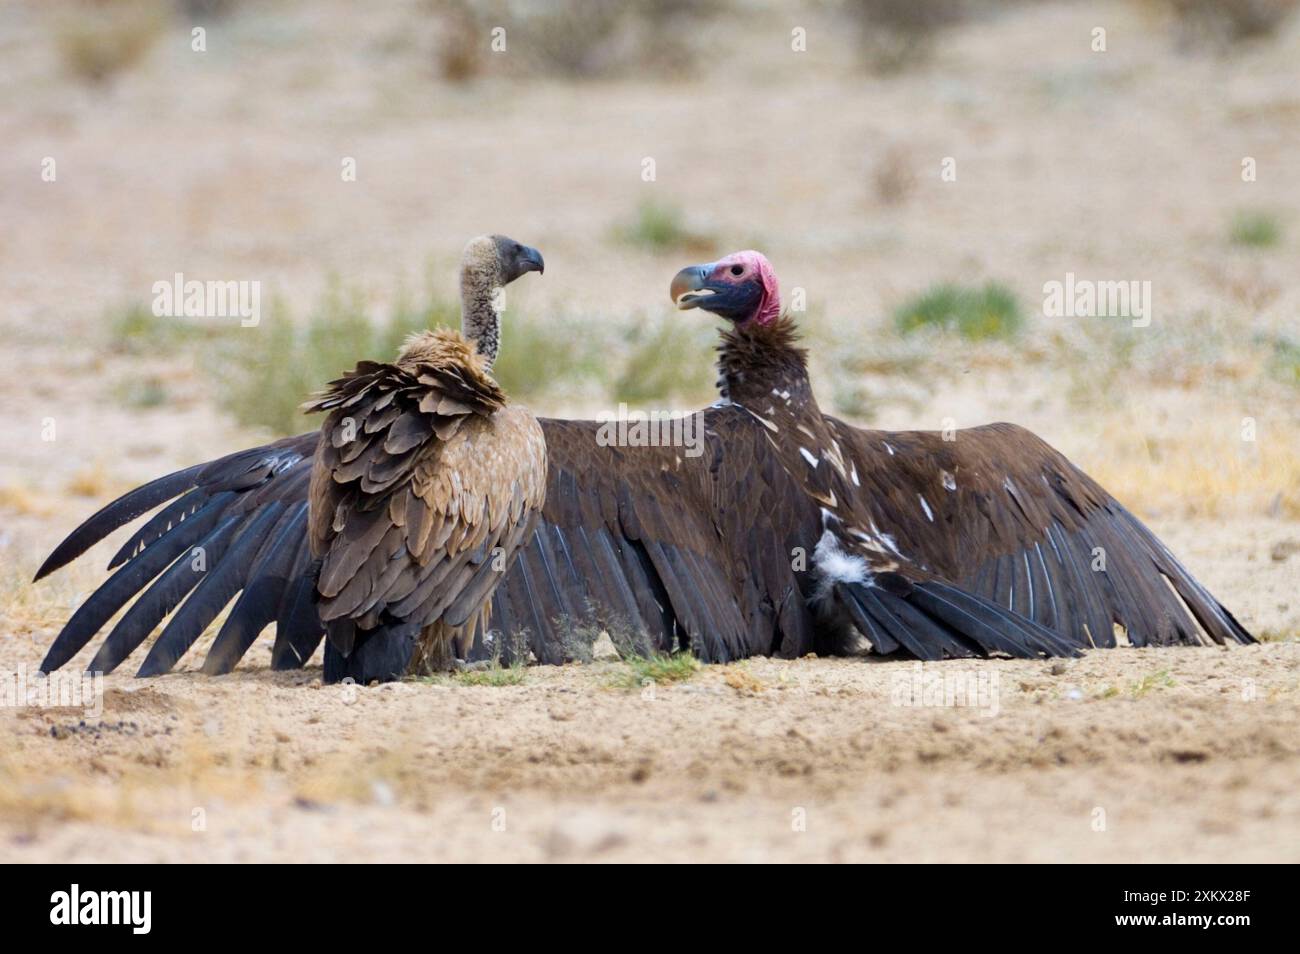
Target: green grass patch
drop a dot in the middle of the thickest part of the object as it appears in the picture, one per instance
(659, 227)
(497, 675)
(1254, 229)
(1157, 680)
(265, 372)
(987, 313)
(136, 330)
(658, 668)
(276, 365)
(543, 354)
(141, 394)
(666, 359)
(1283, 357)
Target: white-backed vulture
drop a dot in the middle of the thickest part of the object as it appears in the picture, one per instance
(421, 490)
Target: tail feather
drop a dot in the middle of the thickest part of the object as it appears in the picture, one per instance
(932, 620)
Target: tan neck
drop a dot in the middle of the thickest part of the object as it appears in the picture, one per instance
(480, 319)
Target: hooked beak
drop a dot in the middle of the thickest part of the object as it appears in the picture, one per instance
(530, 260)
(689, 286)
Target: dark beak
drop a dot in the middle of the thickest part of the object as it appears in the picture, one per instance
(530, 260)
(689, 286)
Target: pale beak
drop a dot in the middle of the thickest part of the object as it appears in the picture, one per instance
(688, 288)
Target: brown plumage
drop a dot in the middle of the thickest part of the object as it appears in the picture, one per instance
(791, 532)
(425, 483)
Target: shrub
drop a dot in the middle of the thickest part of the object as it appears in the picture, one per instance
(99, 40)
(977, 314)
(1255, 230)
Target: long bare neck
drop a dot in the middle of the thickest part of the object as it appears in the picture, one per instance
(480, 315)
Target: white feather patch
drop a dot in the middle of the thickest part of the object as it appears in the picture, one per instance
(834, 565)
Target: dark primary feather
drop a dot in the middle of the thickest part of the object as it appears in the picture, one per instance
(218, 495)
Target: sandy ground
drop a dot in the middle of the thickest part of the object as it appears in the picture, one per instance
(1137, 755)
(1122, 166)
(1124, 755)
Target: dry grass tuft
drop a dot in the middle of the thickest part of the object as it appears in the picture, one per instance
(1176, 472)
(894, 177)
(575, 40)
(22, 500)
(1221, 25)
(742, 680)
(99, 40)
(897, 35)
(92, 481)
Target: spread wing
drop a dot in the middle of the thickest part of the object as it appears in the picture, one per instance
(676, 550)
(235, 526)
(424, 486)
(664, 547)
(999, 512)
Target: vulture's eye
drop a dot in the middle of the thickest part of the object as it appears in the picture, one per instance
(737, 269)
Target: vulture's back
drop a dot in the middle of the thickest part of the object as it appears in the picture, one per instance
(424, 485)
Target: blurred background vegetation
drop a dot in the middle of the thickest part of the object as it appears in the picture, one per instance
(924, 297)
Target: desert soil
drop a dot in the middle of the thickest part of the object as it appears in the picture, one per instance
(1129, 755)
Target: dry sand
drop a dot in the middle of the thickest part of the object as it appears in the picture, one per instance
(1131, 755)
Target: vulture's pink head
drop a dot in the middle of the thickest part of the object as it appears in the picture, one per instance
(741, 287)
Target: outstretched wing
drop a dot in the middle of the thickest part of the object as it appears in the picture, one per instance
(235, 525)
(665, 547)
(424, 485)
(999, 512)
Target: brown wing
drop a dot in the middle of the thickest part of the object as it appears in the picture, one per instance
(998, 511)
(423, 487)
(663, 548)
(235, 526)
